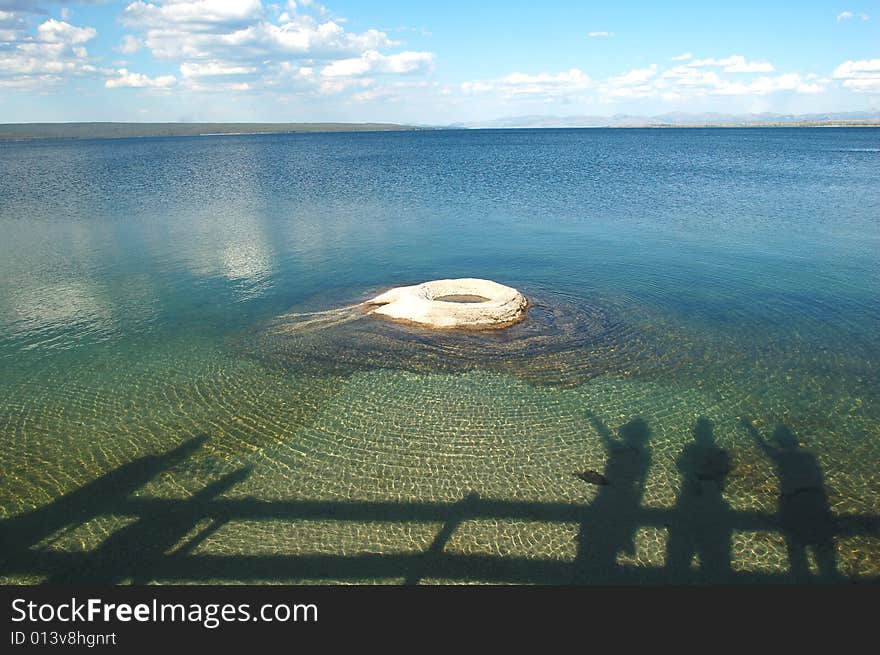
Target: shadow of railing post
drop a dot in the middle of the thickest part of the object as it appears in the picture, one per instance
(456, 515)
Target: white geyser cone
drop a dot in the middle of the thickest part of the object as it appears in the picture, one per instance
(459, 303)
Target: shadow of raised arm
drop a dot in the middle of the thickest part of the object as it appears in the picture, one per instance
(602, 430)
(768, 450)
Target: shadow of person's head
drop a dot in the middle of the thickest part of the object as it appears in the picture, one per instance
(636, 433)
(784, 438)
(704, 431)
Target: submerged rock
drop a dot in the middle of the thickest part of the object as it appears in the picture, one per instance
(593, 477)
(564, 340)
(469, 303)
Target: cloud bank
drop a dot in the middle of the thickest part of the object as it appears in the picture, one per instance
(294, 54)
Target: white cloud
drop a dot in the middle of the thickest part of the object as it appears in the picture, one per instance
(192, 12)
(127, 79)
(267, 47)
(130, 44)
(847, 15)
(396, 91)
(632, 84)
(690, 82)
(684, 81)
(635, 76)
(36, 7)
(371, 62)
(239, 31)
(594, 35)
(57, 31)
(54, 52)
(212, 68)
(336, 85)
(10, 24)
(10, 16)
(519, 85)
(406, 28)
(766, 85)
(862, 76)
(478, 87)
(735, 64)
(288, 70)
(682, 57)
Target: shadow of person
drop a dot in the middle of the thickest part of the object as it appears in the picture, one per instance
(804, 514)
(701, 523)
(611, 520)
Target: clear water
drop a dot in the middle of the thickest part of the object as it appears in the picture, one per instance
(703, 334)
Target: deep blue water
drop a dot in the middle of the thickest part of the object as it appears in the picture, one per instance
(722, 273)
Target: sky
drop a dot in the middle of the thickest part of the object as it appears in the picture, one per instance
(431, 62)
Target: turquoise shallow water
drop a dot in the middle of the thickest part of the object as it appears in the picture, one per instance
(702, 335)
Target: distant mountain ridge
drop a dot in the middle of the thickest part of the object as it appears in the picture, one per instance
(680, 119)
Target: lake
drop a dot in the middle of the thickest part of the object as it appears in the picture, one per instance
(693, 396)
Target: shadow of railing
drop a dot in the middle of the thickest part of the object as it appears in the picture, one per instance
(157, 545)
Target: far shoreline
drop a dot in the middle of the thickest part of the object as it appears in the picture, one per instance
(113, 130)
(21, 132)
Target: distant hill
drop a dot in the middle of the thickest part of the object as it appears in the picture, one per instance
(682, 119)
(23, 131)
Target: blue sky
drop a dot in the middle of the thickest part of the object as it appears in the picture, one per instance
(439, 62)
